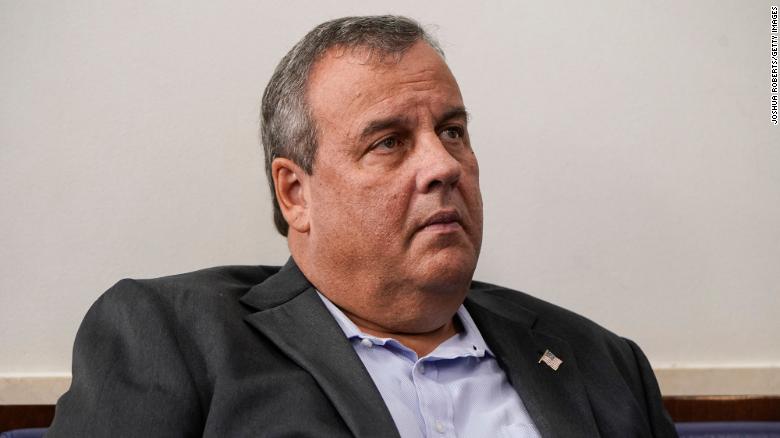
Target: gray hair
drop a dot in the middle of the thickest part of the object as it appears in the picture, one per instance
(287, 127)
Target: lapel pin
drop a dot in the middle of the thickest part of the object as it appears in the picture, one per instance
(551, 360)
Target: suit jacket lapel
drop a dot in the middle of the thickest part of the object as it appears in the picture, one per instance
(293, 317)
(556, 400)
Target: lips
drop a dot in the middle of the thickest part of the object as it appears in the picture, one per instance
(443, 220)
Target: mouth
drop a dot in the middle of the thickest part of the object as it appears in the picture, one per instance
(443, 221)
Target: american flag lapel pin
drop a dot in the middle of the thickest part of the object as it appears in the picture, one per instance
(551, 360)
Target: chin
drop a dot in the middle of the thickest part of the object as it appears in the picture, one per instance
(448, 269)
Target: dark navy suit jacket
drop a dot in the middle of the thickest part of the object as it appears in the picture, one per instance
(252, 351)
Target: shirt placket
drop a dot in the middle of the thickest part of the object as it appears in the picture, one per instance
(434, 400)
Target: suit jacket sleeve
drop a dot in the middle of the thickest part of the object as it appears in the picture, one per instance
(129, 379)
(661, 423)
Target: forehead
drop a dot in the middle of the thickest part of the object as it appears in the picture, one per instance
(348, 87)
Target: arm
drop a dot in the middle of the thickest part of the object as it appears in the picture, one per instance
(660, 421)
(129, 376)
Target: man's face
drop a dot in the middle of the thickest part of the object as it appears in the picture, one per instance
(394, 195)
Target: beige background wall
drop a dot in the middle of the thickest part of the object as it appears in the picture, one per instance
(629, 168)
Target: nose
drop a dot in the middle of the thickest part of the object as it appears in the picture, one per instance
(438, 168)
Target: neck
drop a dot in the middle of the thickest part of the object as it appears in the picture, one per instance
(416, 311)
(420, 343)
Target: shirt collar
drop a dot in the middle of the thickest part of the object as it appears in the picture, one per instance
(468, 342)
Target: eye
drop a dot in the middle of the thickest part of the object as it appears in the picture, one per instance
(451, 133)
(386, 144)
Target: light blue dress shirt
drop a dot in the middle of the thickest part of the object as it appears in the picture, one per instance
(457, 390)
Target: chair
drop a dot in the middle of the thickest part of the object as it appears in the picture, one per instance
(24, 433)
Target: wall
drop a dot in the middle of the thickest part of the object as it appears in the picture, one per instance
(629, 168)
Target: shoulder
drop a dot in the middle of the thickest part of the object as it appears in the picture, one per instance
(172, 319)
(548, 316)
(589, 340)
(613, 369)
(216, 283)
(202, 296)
(143, 351)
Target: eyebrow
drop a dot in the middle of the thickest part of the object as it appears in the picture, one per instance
(381, 124)
(455, 113)
(389, 122)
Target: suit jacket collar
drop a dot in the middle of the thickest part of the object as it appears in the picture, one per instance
(556, 400)
(292, 316)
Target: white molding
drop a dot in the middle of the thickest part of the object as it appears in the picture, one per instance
(32, 389)
(719, 380)
(21, 389)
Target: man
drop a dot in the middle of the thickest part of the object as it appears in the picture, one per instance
(374, 327)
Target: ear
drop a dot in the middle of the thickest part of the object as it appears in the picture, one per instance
(291, 187)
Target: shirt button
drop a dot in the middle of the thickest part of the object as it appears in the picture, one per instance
(366, 343)
(421, 367)
(439, 426)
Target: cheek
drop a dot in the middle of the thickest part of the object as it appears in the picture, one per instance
(472, 192)
(358, 206)
(383, 208)
(471, 178)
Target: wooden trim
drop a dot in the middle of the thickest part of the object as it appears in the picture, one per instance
(681, 408)
(24, 416)
(723, 408)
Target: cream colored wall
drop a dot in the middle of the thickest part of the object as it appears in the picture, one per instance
(629, 168)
